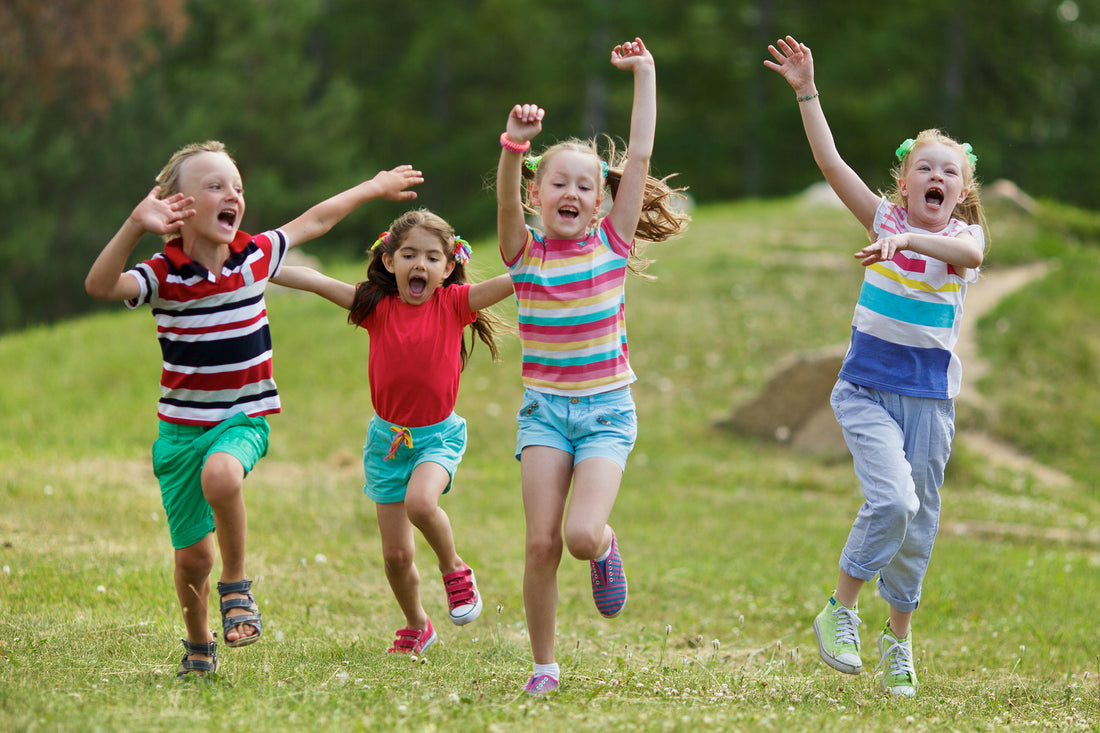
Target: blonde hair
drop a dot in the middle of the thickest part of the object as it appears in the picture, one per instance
(663, 206)
(970, 209)
(169, 177)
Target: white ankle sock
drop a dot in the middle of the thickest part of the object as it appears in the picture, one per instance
(550, 669)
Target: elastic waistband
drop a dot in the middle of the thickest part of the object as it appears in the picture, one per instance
(416, 432)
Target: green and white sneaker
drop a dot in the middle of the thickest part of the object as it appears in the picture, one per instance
(837, 631)
(899, 676)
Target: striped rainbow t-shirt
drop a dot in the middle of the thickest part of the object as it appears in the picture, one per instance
(907, 320)
(572, 312)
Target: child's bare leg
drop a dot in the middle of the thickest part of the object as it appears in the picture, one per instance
(595, 485)
(900, 622)
(546, 474)
(426, 485)
(193, 566)
(222, 485)
(397, 553)
(847, 590)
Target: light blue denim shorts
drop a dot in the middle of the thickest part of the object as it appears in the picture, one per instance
(601, 425)
(179, 454)
(392, 452)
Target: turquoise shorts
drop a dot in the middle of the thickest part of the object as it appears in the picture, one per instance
(392, 452)
(179, 454)
(602, 425)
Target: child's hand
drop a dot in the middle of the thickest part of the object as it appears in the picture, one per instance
(162, 216)
(631, 55)
(796, 64)
(882, 250)
(394, 183)
(524, 122)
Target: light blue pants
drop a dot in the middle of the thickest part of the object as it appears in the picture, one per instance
(900, 446)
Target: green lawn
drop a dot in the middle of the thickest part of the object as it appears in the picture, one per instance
(730, 543)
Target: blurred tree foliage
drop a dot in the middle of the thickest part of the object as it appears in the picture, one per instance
(312, 96)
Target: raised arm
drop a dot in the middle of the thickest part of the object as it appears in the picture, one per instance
(627, 207)
(490, 292)
(308, 279)
(106, 279)
(524, 122)
(391, 185)
(795, 63)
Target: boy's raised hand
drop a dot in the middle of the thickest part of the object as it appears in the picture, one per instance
(394, 184)
(162, 216)
(631, 55)
(524, 122)
(796, 63)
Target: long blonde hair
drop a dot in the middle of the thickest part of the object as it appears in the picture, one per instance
(663, 206)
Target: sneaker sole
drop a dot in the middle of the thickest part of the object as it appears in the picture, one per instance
(833, 662)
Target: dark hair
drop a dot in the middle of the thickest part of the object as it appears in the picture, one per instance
(381, 283)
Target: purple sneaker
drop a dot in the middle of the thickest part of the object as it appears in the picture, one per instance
(609, 582)
(540, 685)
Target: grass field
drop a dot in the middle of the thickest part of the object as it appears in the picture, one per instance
(730, 543)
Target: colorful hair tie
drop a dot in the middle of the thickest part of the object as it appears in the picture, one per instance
(382, 239)
(604, 168)
(904, 148)
(532, 163)
(970, 155)
(462, 251)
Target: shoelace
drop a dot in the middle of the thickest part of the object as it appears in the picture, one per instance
(847, 625)
(900, 655)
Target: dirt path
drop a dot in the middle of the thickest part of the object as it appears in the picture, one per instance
(980, 299)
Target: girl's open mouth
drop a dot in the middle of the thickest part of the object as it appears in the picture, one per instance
(934, 197)
(417, 286)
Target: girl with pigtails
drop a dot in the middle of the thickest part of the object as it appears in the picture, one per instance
(415, 305)
(577, 422)
(894, 397)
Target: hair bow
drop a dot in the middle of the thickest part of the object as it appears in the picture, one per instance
(970, 155)
(462, 251)
(904, 148)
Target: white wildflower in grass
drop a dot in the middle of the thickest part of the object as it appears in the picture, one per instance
(154, 516)
(100, 589)
(320, 559)
(48, 490)
(741, 619)
(7, 570)
(279, 636)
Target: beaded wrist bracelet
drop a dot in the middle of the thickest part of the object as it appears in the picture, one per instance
(808, 97)
(512, 146)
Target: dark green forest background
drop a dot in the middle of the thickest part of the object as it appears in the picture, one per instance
(312, 96)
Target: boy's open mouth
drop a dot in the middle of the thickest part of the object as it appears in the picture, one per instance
(227, 217)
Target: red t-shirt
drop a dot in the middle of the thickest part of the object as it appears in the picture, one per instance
(416, 356)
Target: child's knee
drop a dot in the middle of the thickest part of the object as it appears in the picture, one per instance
(222, 477)
(544, 549)
(584, 543)
(196, 561)
(420, 510)
(398, 558)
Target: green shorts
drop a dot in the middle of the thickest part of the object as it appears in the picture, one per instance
(179, 454)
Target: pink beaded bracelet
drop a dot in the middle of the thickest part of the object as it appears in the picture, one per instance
(512, 146)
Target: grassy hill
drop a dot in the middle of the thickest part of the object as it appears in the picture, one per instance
(731, 543)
